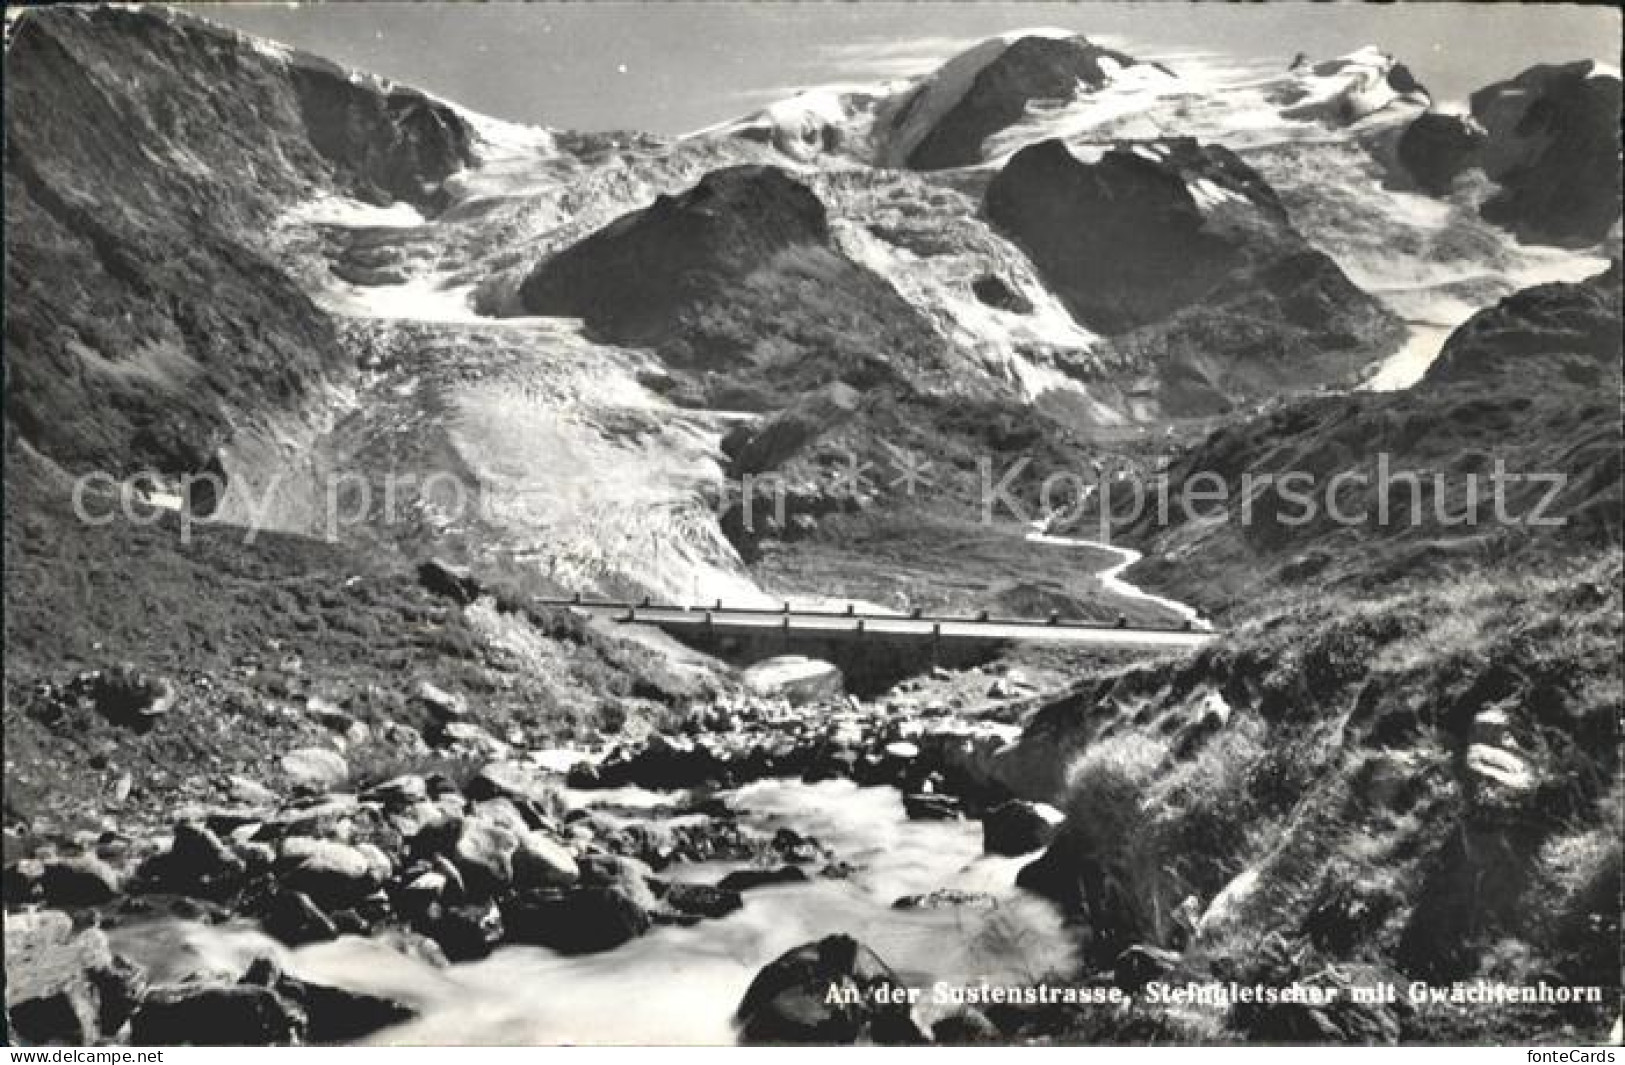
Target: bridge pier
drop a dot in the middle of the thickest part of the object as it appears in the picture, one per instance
(871, 662)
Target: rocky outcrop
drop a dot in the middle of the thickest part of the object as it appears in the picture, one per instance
(757, 447)
(1438, 147)
(1124, 241)
(1001, 86)
(1019, 827)
(1553, 147)
(740, 289)
(631, 278)
(1548, 138)
(1186, 255)
(1566, 333)
(1519, 388)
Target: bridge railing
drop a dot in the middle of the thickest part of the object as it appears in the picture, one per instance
(700, 612)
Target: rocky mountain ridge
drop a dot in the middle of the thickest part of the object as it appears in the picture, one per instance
(177, 326)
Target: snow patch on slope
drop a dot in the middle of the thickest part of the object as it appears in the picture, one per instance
(329, 209)
(1010, 346)
(1349, 88)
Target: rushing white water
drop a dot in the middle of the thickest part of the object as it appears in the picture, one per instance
(681, 985)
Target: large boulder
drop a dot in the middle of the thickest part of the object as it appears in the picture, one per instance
(628, 876)
(64, 986)
(294, 919)
(198, 863)
(316, 767)
(129, 697)
(581, 920)
(332, 874)
(759, 446)
(797, 678)
(1019, 827)
(399, 793)
(1072, 874)
(702, 900)
(202, 1015)
(746, 879)
(483, 853)
(81, 881)
(450, 580)
(1141, 964)
(541, 861)
(442, 706)
(520, 783)
(1557, 332)
(835, 990)
(465, 932)
(331, 1014)
(662, 762)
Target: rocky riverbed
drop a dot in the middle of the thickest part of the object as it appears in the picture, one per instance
(555, 883)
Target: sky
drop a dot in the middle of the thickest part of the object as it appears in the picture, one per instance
(678, 66)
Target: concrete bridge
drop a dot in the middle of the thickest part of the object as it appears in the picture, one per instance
(719, 621)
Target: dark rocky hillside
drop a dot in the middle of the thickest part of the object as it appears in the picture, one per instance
(143, 318)
(633, 278)
(738, 287)
(258, 639)
(1436, 148)
(1563, 334)
(1394, 788)
(1222, 299)
(1549, 138)
(1530, 384)
(1402, 762)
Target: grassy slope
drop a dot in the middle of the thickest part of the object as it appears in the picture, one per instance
(249, 633)
(1332, 808)
(1404, 761)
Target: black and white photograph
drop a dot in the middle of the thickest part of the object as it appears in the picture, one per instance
(721, 524)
